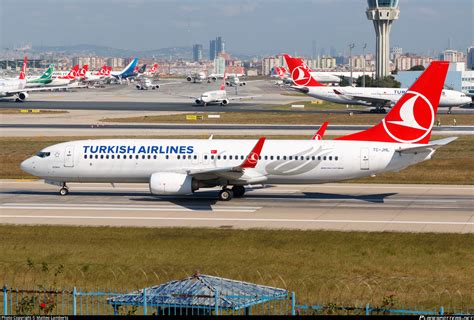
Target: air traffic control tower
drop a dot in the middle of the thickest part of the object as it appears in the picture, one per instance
(382, 13)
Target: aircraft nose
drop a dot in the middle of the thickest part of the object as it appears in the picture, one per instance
(27, 165)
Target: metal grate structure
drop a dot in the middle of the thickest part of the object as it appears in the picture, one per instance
(203, 294)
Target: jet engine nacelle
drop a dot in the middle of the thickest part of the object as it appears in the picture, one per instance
(227, 83)
(189, 78)
(171, 183)
(225, 102)
(243, 83)
(22, 96)
(214, 78)
(139, 87)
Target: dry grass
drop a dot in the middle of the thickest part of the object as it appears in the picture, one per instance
(452, 164)
(425, 271)
(282, 118)
(15, 111)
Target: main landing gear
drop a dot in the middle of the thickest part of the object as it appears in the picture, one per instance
(64, 190)
(378, 110)
(227, 194)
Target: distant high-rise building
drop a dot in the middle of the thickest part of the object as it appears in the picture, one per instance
(197, 52)
(470, 58)
(395, 52)
(452, 56)
(212, 50)
(220, 45)
(219, 65)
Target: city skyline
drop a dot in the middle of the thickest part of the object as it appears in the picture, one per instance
(147, 25)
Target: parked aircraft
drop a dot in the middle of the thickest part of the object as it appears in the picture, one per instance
(127, 72)
(182, 166)
(380, 98)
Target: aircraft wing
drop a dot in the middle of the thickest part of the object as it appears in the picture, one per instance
(242, 97)
(241, 172)
(432, 145)
(40, 89)
(367, 99)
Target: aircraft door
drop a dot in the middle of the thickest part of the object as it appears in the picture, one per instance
(364, 159)
(69, 156)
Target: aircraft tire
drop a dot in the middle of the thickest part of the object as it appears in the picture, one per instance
(63, 192)
(226, 195)
(238, 191)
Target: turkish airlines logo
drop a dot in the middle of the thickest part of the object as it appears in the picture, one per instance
(414, 121)
(252, 158)
(301, 76)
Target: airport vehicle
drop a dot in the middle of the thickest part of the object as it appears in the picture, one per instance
(182, 166)
(380, 98)
(127, 72)
(17, 87)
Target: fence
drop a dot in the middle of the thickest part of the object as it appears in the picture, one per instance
(78, 302)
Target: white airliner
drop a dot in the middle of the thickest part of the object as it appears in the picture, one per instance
(182, 166)
(376, 97)
(217, 96)
(17, 87)
(200, 77)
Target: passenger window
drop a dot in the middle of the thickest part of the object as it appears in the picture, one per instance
(330, 158)
(291, 157)
(324, 158)
(212, 157)
(205, 157)
(307, 158)
(242, 157)
(301, 158)
(284, 157)
(195, 157)
(224, 157)
(130, 157)
(278, 157)
(97, 156)
(319, 158)
(136, 157)
(259, 157)
(271, 157)
(107, 156)
(167, 157)
(313, 158)
(218, 157)
(85, 156)
(178, 157)
(143, 156)
(118, 156)
(154, 156)
(149, 157)
(266, 157)
(230, 157)
(112, 156)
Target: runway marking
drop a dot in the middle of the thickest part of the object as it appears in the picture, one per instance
(131, 208)
(241, 219)
(376, 200)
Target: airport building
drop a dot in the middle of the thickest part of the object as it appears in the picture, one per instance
(470, 58)
(382, 13)
(197, 52)
(457, 78)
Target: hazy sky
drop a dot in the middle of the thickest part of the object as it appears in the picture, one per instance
(248, 26)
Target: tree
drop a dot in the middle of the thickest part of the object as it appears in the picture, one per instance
(418, 67)
(344, 82)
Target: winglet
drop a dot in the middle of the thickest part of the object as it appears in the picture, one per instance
(253, 156)
(320, 133)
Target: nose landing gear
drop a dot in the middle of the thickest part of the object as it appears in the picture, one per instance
(64, 191)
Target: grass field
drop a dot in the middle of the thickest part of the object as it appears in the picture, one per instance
(452, 164)
(40, 111)
(282, 118)
(425, 270)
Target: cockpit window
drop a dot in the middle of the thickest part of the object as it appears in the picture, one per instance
(42, 154)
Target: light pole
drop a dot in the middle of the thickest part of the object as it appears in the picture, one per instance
(351, 46)
(363, 67)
